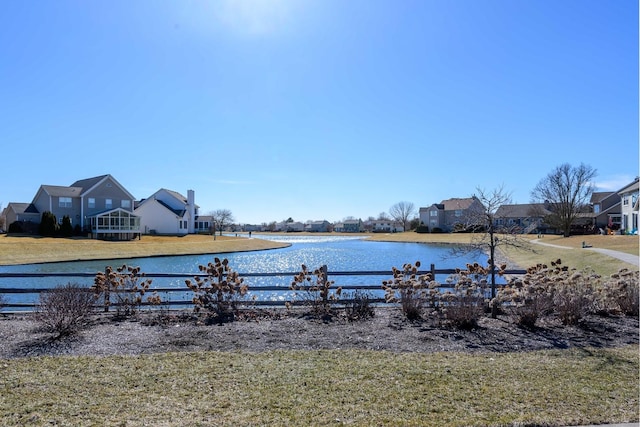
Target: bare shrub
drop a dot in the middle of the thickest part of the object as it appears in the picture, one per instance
(359, 306)
(412, 291)
(125, 289)
(620, 292)
(528, 303)
(527, 299)
(314, 287)
(463, 306)
(220, 292)
(65, 308)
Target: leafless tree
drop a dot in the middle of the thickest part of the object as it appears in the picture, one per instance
(221, 217)
(401, 212)
(566, 190)
(491, 231)
(383, 216)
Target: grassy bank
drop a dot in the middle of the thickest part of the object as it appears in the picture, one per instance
(532, 254)
(24, 250)
(324, 388)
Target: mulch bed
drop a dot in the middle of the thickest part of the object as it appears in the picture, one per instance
(281, 329)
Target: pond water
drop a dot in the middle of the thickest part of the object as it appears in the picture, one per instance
(339, 253)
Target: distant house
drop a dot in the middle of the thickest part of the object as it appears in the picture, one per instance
(317, 226)
(383, 226)
(629, 207)
(26, 214)
(348, 226)
(451, 214)
(169, 212)
(605, 208)
(522, 218)
(98, 205)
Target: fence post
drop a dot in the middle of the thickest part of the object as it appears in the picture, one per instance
(324, 274)
(107, 295)
(433, 271)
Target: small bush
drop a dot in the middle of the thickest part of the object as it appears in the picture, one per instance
(220, 292)
(65, 309)
(359, 306)
(463, 306)
(422, 229)
(15, 227)
(124, 288)
(315, 288)
(412, 291)
(526, 300)
(621, 292)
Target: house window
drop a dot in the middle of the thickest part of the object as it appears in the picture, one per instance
(64, 202)
(125, 204)
(625, 200)
(458, 213)
(433, 213)
(596, 209)
(108, 203)
(91, 203)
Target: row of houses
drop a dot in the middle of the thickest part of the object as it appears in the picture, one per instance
(103, 208)
(613, 210)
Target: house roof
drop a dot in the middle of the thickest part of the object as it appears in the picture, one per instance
(599, 196)
(634, 186)
(178, 212)
(61, 191)
(521, 210)
(88, 183)
(23, 208)
(456, 203)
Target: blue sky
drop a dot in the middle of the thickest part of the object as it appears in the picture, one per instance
(316, 109)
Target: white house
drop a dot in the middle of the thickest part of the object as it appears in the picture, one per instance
(167, 212)
(629, 208)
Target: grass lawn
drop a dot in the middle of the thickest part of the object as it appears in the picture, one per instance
(533, 254)
(25, 250)
(296, 388)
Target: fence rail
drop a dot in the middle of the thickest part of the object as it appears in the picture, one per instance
(279, 289)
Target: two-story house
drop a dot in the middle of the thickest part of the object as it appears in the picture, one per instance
(451, 214)
(99, 205)
(348, 226)
(629, 207)
(168, 212)
(605, 209)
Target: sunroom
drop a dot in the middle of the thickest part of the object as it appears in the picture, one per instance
(117, 224)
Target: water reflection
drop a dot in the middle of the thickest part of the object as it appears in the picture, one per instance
(339, 253)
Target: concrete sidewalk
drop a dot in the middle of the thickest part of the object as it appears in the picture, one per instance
(622, 256)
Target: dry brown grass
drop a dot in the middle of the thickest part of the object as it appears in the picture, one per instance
(571, 254)
(25, 250)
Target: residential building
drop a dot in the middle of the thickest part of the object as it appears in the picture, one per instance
(522, 218)
(100, 206)
(317, 226)
(169, 212)
(629, 207)
(451, 214)
(348, 226)
(383, 226)
(605, 208)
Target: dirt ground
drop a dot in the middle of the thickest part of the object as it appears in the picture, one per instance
(268, 330)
